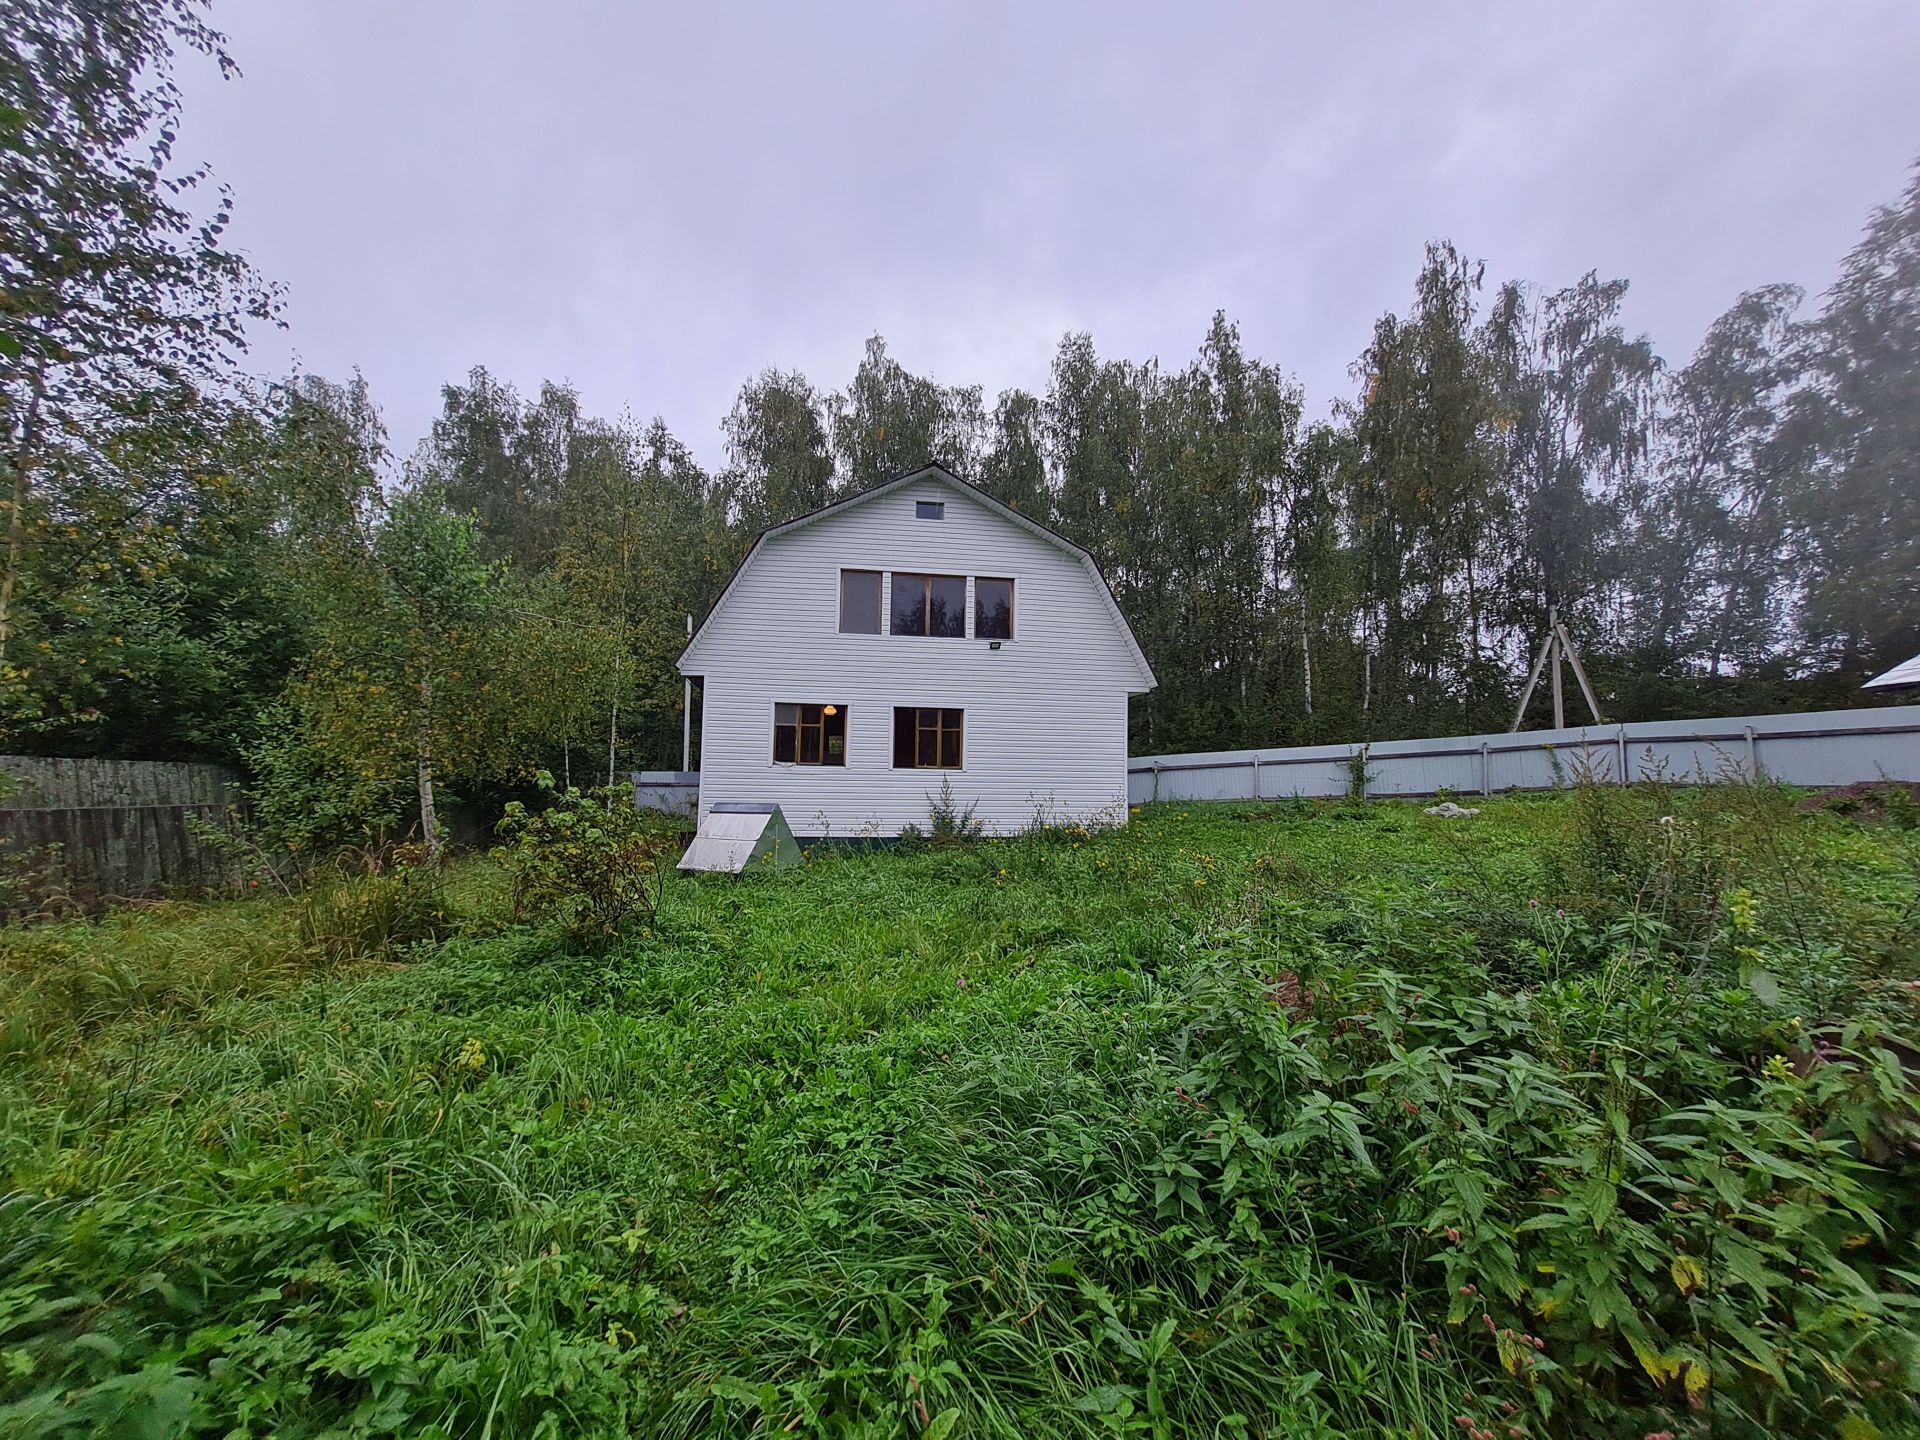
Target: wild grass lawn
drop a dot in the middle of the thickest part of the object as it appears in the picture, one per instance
(1284, 1121)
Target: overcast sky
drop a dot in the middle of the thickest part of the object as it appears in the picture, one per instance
(656, 202)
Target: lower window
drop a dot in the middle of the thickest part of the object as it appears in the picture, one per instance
(809, 734)
(927, 739)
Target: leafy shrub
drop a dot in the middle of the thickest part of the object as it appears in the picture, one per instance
(1359, 772)
(590, 861)
(33, 882)
(1901, 806)
(1633, 1231)
(306, 799)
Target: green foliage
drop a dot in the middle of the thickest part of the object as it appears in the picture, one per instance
(589, 860)
(1851, 441)
(948, 821)
(370, 904)
(306, 800)
(1359, 772)
(124, 311)
(1202, 1126)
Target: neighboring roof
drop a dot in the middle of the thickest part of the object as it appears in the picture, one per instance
(973, 492)
(1904, 674)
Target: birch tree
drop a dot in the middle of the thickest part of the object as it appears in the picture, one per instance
(122, 304)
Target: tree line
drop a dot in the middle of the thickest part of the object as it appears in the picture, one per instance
(196, 565)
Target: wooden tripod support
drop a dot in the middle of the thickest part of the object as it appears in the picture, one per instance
(1557, 644)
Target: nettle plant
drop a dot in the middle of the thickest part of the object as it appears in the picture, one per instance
(591, 860)
(1623, 1194)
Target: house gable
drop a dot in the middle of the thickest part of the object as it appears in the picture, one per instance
(929, 480)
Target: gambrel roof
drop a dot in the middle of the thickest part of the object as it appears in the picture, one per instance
(972, 492)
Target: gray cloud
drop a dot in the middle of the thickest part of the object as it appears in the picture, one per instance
(655, 202)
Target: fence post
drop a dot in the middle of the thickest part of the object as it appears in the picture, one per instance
(1256, 775)
(1156, 780)
(1485, 770)
(1623, 754)
(1753, 754)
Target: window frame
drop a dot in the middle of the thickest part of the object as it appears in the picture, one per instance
(1013, 605)
(800, 726)
(881, 608)
(928, 577)
(940, 729)
(929, 509)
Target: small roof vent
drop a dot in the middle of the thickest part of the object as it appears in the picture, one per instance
(930, 509)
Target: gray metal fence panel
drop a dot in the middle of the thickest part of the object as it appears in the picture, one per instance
(675, 791)
(1827, 747)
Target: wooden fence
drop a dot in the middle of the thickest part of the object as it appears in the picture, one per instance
(100, 829)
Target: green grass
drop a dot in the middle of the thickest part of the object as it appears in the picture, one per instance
(1284, 1120)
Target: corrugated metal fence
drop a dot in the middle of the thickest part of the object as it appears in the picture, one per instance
(1826, 747)
(93, 829)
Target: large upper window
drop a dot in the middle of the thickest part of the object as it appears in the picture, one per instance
(930, 605)
(927, 739)
(859, 602)
(992, 609)
(809, 734)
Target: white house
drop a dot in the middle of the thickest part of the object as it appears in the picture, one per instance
(917, 634)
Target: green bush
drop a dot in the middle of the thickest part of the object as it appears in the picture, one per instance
(1634, 1227)
(590, 861)
(306, 800)
(948, 821)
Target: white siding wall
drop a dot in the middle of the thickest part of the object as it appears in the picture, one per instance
(1046, 714)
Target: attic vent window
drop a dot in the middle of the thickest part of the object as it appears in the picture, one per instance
(929, 509)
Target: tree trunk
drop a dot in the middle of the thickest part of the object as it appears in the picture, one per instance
(613, 737)
(1306, 661)
(423, 770)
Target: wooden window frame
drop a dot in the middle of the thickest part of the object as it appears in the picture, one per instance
(927, 578)
(941, 727)
(881, 615)
(825, 727)
(1013, 607)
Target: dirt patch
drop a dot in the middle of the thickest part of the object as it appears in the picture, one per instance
(1866, 799)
